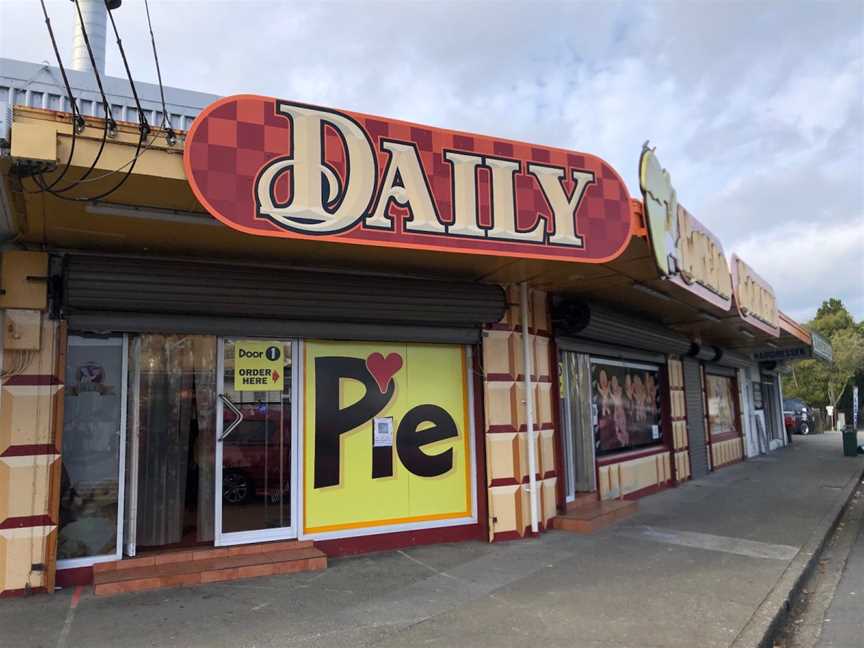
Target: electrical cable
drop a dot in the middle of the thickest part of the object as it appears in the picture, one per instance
(110, 124)
(143, 126)
(142, 118)
(78, 122)
(119, 184)
(105, 103)
(166, 118)
(108, 174)
(86, 173)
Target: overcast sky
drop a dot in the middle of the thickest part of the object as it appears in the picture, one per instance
(756, 108)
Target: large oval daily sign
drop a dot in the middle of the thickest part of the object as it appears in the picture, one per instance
(270, 167)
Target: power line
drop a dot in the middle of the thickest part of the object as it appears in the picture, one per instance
(142, 119)
(143, 126)
(78, 122)
(110, 126)
(39, 181)
(166, 118)
(90, 169)
(106, 105)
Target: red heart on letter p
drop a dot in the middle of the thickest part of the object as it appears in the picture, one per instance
(382, 369)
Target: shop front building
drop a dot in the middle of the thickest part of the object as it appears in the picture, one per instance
(659, 383)
(174, 394)
(299, 332)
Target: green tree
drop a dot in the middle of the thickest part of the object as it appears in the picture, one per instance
(831, 317)
(819, 383)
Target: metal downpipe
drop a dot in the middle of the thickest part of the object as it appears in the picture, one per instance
(528, 364)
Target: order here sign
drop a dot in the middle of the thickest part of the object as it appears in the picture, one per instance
(258, 365)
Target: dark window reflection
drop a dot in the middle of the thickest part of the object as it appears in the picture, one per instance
(256, 465)
(89, 486)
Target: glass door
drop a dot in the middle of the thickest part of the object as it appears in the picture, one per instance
(92, 460)
(255, 441)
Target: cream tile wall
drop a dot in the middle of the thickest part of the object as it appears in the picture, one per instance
(506, 428)
(31, 401)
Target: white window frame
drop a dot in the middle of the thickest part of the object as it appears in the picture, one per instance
(224, 539)
(88, 561)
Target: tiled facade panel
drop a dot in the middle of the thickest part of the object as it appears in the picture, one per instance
(506, 425)
(620, 479)
(30, 407)
(19, 549)
(26, 415)
(548, 501)
(679, 434)
(502, 455)
(29, 478)
(726, 452)
(546, 454)
(678, 419)
(682, 465)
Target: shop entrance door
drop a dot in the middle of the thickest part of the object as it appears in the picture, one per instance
(578, 425)
(695, 400)
(256, 441)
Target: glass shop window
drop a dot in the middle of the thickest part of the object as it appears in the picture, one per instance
(721, 405)
(91, 448)
(758, 402)
(625, 405)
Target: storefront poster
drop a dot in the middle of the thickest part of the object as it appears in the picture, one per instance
(721, 404)
(625, 405)
(387, 437)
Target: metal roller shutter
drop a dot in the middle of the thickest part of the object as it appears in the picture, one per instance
(146, 294)
(608, 351)
(695, 418)
(612, 328)
(720, 370)
(735, 360)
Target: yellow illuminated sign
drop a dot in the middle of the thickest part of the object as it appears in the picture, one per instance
(259, 365)
(386, 435)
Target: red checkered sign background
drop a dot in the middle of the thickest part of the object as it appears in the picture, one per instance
(234, 138)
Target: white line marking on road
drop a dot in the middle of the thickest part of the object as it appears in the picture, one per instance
(710, 542)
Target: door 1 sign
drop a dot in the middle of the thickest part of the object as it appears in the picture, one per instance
(258, 365)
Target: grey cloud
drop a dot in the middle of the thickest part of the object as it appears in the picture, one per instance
(756, 108)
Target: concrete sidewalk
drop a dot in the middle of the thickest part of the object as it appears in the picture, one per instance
(843, 624)
(700, 565)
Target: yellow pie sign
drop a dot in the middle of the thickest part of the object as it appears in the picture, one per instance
(259, 365)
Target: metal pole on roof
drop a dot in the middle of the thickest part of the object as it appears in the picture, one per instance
(528, 364)
(95, 14)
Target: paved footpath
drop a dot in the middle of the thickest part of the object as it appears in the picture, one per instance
(701, 565)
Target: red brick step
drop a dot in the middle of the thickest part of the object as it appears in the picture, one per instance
(589, 517)
(583, 501)
(186, 568)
